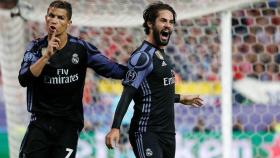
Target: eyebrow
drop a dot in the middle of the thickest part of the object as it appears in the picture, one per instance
(172, 20)
(58, 15)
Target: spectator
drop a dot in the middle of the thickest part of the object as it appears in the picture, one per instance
(200, 126)
(238, 126)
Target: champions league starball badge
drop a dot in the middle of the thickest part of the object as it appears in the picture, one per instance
(158, 54)
(75, 58)
(130, 75)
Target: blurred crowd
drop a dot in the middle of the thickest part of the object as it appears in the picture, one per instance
(195, 45)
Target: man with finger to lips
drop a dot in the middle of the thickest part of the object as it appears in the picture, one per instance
(53, 70)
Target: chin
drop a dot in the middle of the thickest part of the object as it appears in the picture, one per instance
(164, 43)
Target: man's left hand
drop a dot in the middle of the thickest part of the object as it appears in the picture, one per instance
(192, 100)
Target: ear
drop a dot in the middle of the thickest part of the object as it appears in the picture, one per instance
(69, 23)
(150, 24)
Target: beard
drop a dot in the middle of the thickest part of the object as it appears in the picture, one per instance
(158, 41)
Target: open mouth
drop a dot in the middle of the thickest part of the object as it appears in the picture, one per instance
(165, 34)
(52, 28)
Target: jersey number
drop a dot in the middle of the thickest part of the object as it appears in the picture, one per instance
(69, 152)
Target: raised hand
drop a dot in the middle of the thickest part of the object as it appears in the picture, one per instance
(53, 45)
(192, 100)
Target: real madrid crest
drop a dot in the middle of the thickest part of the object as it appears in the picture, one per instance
(158, 54)
(149, 152)
(75, 58)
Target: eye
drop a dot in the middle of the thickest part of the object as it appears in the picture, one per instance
(163, 20)
(50, 15)
(61, 17)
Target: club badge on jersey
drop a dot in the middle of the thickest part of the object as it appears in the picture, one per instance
(158, 54)
(75, 58)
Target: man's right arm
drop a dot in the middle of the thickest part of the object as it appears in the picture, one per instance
(140, 66)
(26, 76)
(127, 96)
(37, 67)
(114, 135)
(53, 45)
(33, 65)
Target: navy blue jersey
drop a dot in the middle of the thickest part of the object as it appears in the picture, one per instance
(58, 91)
(151, 74)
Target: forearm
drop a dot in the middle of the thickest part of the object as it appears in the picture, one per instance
(37, 67)
(119, 71)
(105, 67)
(30, 71)
(122, 106)
(25, 77)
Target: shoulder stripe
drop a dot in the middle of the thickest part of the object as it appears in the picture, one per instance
(30, 46)
(84, 43)
(76, 41)
(91, 47)
(152, 51)
(143, 47)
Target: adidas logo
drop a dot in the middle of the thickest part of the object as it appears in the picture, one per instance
(163, 63)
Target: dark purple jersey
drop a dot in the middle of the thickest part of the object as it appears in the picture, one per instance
(150, 82)
(58, 91)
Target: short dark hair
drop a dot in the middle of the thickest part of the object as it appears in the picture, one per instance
(62, 5)
(151, 12)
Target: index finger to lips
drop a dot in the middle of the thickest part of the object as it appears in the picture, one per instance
(56, 39)
(54, 33)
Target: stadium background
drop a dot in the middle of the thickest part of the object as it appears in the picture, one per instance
(195, 51)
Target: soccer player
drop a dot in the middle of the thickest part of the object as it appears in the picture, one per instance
(53, 70)
(150, 83)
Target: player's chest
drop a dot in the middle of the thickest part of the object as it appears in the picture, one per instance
(69, 56)
(66, 62)
(162, 70)
(65, 59)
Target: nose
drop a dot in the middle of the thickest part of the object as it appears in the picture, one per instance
(169, 25)
(54, 20)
